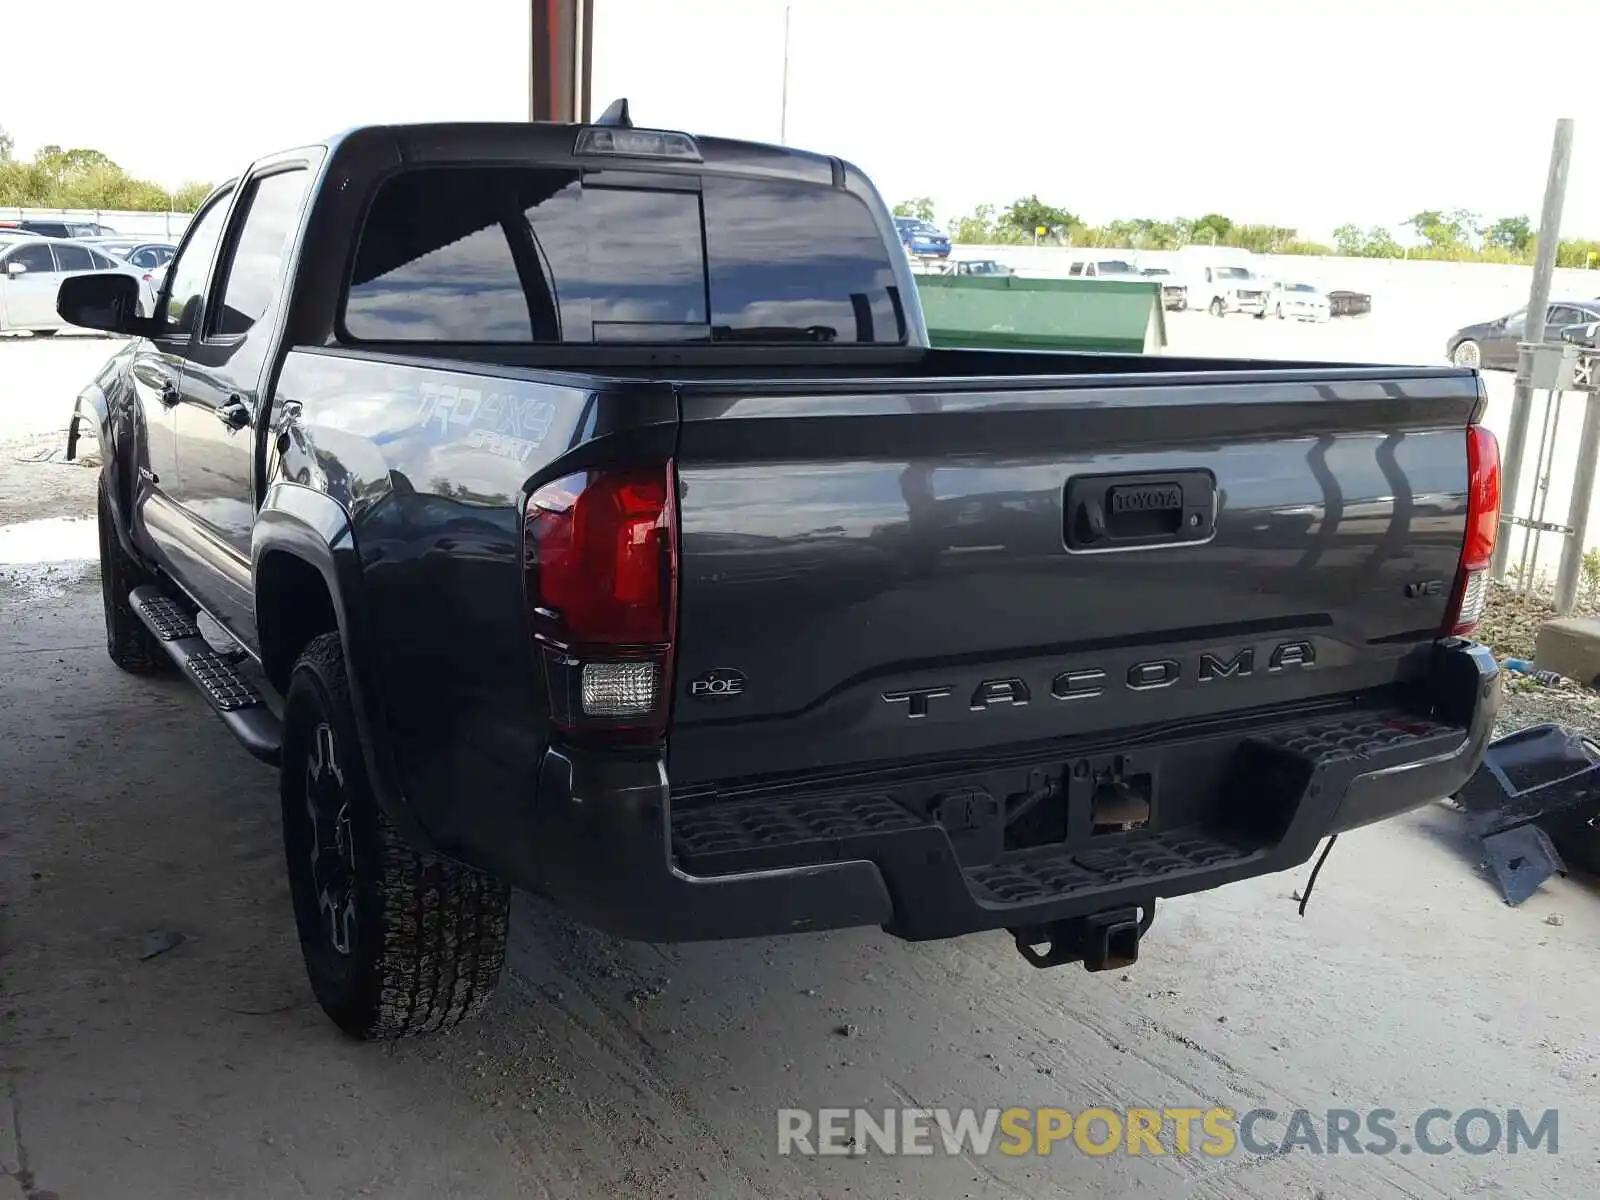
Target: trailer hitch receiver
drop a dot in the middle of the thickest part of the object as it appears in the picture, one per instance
(1102, 941)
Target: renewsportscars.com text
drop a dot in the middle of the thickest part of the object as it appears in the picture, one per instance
(1217, 1132)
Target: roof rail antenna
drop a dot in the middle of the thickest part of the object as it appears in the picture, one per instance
(616, 114)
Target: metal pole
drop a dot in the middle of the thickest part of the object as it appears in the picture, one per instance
(1578, 513)
(1544, 265)
(783, 113)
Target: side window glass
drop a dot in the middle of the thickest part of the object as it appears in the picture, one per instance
(35, 257)
(73, 258)
(102, 262)
(186, 281)
(251, 280)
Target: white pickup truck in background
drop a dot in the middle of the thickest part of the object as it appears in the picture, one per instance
(1226, 288)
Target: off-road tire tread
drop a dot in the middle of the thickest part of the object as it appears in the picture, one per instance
(128, 643)
(443, 925)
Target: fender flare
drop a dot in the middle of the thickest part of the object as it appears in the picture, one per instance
(93, 399)
(314, 528)
(92, 405)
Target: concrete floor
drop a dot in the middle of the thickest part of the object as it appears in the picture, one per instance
(608, 1069)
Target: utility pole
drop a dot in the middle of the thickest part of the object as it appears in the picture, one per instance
(1544, 265)
(783, 112)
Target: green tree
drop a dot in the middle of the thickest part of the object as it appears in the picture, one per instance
(976, 228)
(1212, 229)
(1349, 240)
(1353, 241)
(84, 178)
(188, 197)
(920, 207)
(1029, 214)
(1510, 233)
(1262, 239)
(1446, 231)
(1578, 252)
(8, 145)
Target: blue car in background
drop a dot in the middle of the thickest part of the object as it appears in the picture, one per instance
(921, 238)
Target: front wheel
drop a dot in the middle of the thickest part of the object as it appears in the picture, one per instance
(396, 942)
(1467, 354)
(1218, 308)
(1280, 312)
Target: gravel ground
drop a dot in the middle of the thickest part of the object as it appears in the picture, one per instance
(38, 380)
(1510, 627)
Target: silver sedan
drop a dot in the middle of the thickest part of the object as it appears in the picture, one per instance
(31, 271)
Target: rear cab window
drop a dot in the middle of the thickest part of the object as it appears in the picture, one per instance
(511, 254)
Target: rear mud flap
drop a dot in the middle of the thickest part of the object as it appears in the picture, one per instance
(1541, 780)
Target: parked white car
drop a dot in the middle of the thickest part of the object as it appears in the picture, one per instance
(31, 271)
(1303, 301)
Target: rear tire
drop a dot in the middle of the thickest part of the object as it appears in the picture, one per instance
(395, 942)
(129, 644)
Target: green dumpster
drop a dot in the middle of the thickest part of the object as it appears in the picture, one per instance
(1009, 312)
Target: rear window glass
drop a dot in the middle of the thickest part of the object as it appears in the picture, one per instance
(494, 254)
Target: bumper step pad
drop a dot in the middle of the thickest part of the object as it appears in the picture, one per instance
(1274, 770)
(223, 681)
(1114, 859)
(746, 837)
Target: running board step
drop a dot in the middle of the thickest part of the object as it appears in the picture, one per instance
(226, 688)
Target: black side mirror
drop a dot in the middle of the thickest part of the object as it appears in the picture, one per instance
(104, 301)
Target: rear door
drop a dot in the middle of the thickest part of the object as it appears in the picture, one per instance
(30, 296)
(1561, 316)
(223, 392)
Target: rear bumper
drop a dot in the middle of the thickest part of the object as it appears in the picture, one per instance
(610, 849)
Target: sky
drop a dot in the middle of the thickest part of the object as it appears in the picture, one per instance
(1306, 113)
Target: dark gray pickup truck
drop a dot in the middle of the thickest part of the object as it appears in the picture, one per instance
(582, 510)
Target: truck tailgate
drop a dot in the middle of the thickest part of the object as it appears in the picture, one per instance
(904, 570)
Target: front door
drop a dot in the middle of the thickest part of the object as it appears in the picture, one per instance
(224, 390)
(157, 370)
(29, 294)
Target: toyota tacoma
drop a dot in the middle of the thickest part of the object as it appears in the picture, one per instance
(582, 509)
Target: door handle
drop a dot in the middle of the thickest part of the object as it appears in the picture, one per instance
(234, 414)
(170, 394)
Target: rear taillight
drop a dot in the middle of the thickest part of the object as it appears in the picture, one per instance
(600, 556)
(1483, 524)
